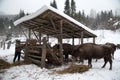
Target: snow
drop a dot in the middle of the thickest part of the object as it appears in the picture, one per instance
(116, 23)
(33, 72)
(45, 8)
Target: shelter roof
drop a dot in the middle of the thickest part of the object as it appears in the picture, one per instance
(47, 20)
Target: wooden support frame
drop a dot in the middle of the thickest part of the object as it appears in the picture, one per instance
(55, 25)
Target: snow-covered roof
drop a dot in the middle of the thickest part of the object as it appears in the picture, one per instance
(45, 8)
(116, 23)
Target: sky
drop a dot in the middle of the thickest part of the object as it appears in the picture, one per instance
(14, 6)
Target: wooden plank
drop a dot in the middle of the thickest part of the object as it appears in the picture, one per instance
(35, 61)
(34, 51)
(35, 57)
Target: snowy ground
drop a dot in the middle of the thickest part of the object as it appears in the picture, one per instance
(32, 72)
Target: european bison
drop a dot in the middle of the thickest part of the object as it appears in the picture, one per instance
(91, 51)
(67, 49)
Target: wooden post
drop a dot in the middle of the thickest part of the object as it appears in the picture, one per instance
(82, 34)
(43, 56)
(48, 38)
(26, 52)
(93, 39)
(79, 41)
(29, 34)
(60, 39)
(73, 41)
(44, 52)
(40, 38)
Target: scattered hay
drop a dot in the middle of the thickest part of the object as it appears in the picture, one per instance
(20, 63)
(74, 69)
(4, 64)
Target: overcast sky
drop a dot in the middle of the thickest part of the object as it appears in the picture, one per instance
(14, 6)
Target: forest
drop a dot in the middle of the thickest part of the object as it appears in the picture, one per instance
(101, 20)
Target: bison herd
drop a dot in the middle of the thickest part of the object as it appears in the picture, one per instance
(88, 51)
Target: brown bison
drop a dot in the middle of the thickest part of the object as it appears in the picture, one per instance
(91, 51)
(67, 49)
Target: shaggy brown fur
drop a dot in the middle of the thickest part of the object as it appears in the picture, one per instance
(89, 51)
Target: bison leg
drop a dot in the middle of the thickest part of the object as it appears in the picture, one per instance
(113, 55)
(66, 58)
(89, 63)
(110, 61)
(81, 60)
(105, 60)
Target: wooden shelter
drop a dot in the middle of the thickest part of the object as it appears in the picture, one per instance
(52, 22)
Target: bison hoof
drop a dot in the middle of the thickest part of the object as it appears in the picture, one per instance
(110, 69)
(90, 66)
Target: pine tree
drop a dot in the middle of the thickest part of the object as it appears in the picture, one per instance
(67, 8)
(2, 28)
(79, 16)
(73, 8)
(53, 4)
(21, 14)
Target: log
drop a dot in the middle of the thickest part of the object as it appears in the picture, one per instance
(35, 57)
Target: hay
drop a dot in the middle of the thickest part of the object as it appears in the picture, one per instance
(20, 63)
(4, 64)
(74, 69)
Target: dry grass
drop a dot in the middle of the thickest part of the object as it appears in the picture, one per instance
(74, 69)
(20, 63)
(6, 65)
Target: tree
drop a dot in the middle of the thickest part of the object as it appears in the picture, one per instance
(53, 4)
(21, 14)
(67, 8)
(2, 28)
(73, 8)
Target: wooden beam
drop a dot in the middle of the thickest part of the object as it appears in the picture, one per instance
(53, 24)
(35, 35)
(24, 34)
